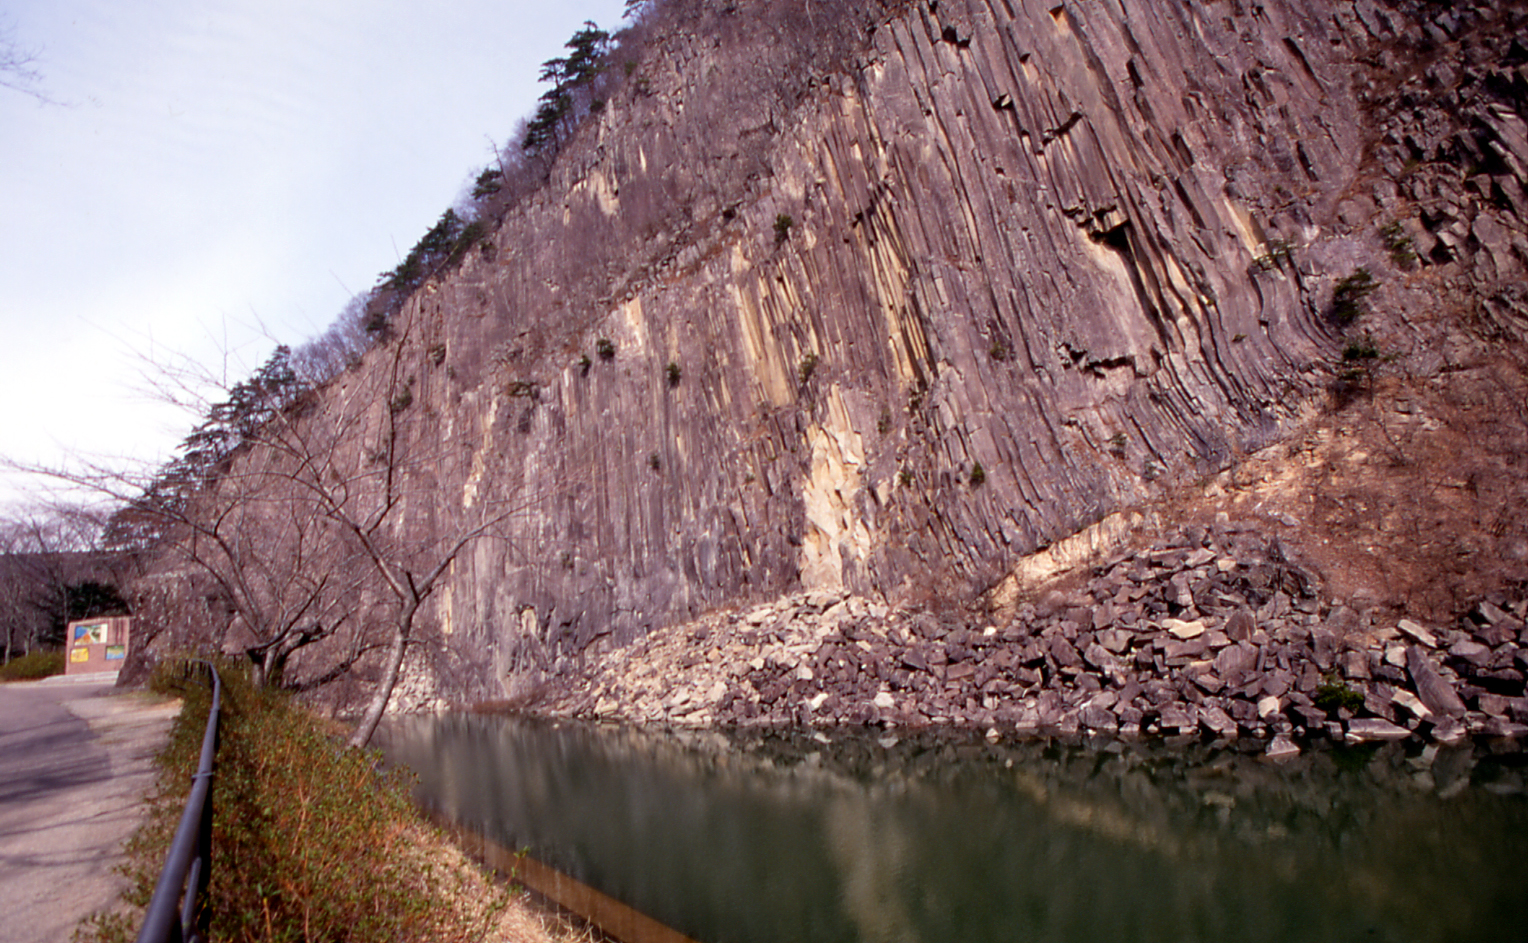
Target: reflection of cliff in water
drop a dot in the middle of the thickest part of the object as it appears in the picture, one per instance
(790, 838)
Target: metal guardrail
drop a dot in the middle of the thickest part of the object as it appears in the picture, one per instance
(174, 914)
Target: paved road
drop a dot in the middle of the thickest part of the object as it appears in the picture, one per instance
(76, 761)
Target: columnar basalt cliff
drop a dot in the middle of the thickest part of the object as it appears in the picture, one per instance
(881, 302)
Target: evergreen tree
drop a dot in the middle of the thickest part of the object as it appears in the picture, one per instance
(568, 75)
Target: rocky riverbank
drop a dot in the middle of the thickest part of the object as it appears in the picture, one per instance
(1216, 632)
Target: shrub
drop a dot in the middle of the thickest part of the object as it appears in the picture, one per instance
(783, 224)
(1348, 297)
(1335, 695)
(310, 840)
(672, 372)
(1276, 252)
(605, 347)
(1398, 244)
(806, 368)
(978, 475)
(33, 665)
(654, 462)
(1360, 351)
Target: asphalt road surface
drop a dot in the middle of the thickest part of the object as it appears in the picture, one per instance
(76, 762)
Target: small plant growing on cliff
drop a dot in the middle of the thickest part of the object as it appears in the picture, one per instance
(402, 401)
(1360, 351)
(905, 477)
(654, 462)
(1348, 297)
(583, 364)
(437, 354)
(1276, 252)
(1334, 694)
(1357, 371)
(783, 224)
(806, 368)
(1151, 471)
(1117, 443)
(605, 347)
(1398, 244)
(998, 351)
(883, 424)
(672, 373)
(978, 475)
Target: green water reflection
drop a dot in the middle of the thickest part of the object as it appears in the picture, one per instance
(787, 838)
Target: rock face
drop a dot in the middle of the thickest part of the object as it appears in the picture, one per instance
(1025, 242)
(1269, 657)
(880, 322)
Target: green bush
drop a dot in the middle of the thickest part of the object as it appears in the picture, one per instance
(978, 475)
(1348, 297)
(1358, 351)
(1334, 695)
(311, 841)
(33, 665)
(783, 224)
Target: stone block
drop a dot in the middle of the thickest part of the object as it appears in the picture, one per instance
(1434, 691)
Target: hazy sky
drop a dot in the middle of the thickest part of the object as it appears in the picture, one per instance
(215, 173)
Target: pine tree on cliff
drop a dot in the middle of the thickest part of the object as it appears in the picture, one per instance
(569, 75)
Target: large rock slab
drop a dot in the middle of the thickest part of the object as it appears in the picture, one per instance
(1439, 696)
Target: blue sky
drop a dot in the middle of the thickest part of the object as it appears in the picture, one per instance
(217, 173)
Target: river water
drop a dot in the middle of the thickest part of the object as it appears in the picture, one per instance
(785, 838)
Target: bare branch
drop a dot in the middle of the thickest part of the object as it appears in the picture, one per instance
(18, 67)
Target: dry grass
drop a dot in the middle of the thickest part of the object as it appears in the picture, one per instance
(311, 841)
(511, 918)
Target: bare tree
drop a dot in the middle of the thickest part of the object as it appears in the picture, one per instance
(51, 571)
(368, 502)
(314, 512)
(226, 512)
(337, 349)
(18, 66)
